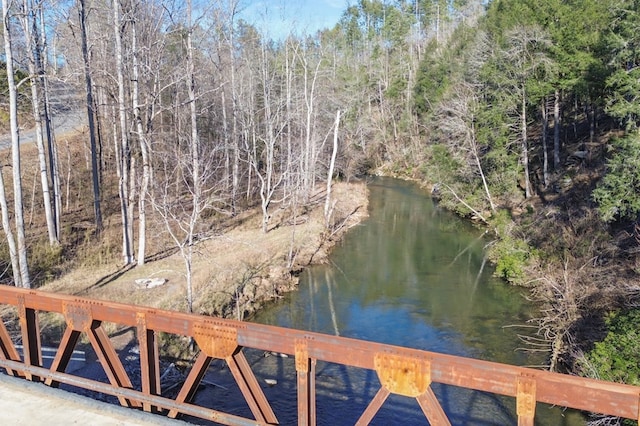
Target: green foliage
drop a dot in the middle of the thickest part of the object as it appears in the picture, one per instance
(510, 253)
(439, 70)
(442, 165)
(618, 194)
(616, 357)
(624, 100)
(433, 81)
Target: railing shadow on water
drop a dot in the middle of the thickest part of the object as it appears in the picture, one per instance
(245, 373)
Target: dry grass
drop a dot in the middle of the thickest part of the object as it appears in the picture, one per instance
(235, 268)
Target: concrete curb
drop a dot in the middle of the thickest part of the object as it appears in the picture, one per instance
(28, 403)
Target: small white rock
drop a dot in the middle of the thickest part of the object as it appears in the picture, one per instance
(150, 282)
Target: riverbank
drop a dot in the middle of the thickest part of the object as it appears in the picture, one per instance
(576, 267)
(237, 268)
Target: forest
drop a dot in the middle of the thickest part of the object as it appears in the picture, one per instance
(522, 115)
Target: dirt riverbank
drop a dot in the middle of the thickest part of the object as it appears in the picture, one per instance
(235, 269)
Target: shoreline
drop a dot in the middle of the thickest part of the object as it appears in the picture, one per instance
(237, 270)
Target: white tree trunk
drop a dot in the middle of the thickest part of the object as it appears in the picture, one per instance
(11, 241)
(525, 144)
(327, 204)
(556, 130)
(125, 149)
(29, 28)
(476, 156)
(54, 172)
(21, 247)
(545, 142)
(144, 150)
(195, 160)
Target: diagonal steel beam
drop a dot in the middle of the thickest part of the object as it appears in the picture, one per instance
(250, 388)
(192, 382)
(8, 350)
(432, 409)
(374, 406)
(110, 362)
(64, 354)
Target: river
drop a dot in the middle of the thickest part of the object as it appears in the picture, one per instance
(411, 275)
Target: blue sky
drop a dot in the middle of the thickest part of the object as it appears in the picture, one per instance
(277, 18)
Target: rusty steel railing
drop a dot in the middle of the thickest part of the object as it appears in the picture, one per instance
(401, 371)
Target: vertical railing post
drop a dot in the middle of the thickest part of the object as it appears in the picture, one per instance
(30, 337)
(149, 359)
(526, 400)
(306, 377)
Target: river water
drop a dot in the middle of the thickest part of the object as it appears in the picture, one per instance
(411, 275)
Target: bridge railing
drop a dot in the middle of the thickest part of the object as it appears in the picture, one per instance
(401, 371)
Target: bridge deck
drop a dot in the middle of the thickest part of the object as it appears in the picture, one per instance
(33, 404)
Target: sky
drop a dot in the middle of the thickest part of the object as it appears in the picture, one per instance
(277, 18)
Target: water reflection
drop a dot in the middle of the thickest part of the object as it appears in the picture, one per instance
(411, 275)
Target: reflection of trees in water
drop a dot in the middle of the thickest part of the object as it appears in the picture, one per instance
(328, 276)
(315, 286)
(398, 278)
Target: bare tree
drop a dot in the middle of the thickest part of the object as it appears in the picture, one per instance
(526, 55)
(556, 130)
(309, 90)
(124, 168)
(180, 207)
(28, 18)
(95, 173)
(42, 55)
(264, 160)
(328, 208)
(21, 268)
(144, 148)
(187, 182)
(147, 58)
(458, 117)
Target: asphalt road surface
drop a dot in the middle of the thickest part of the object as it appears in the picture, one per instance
(67, 122)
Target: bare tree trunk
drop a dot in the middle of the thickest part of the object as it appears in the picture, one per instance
(556, 130)
(125, 148)
(309, 148)
(195, 159)
(545, 151)
(144, 150)
(30, 28)
(458, 117)
(289, 67)
(11, 241)
(476, 156)
(13, 111)
(525, 143)
(95, 173)
(267, 173)
(23, 268)
(235, 140)
(54, 172)
(327, 204)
